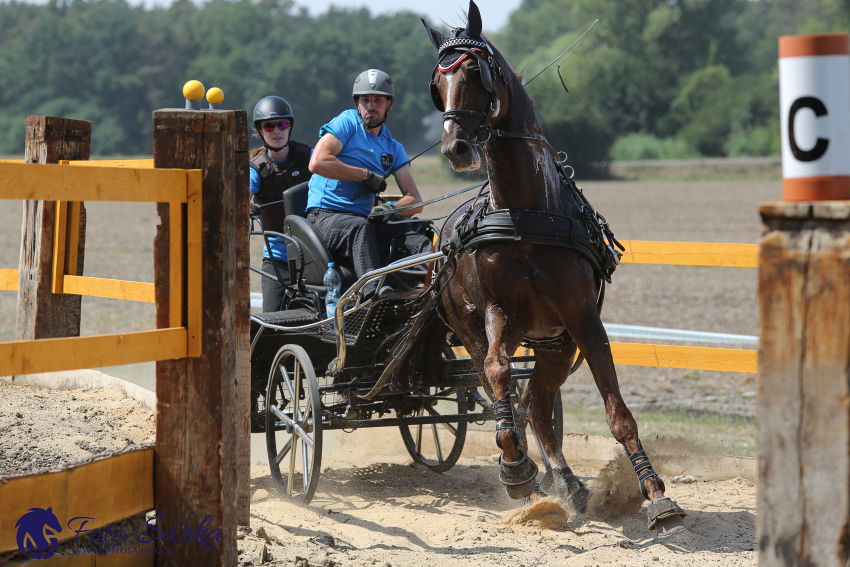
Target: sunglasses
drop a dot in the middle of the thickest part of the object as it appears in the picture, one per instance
(270, 126)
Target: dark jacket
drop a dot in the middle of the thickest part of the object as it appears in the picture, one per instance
(274, 181)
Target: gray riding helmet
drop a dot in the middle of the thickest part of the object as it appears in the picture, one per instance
(373, 81)
(269, 108)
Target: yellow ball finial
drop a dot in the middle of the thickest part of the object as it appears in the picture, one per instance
(193, 90)
(215, 96)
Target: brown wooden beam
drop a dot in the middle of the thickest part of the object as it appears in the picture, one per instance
(198, 417)
(803, 407)
(40, 314)
(243, 324)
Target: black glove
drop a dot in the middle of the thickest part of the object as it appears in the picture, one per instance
(376, 183)
(255, 209)
(381, 213)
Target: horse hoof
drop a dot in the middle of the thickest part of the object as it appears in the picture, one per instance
(537, 490)
(519, 476)
(571, 489)
(665, 517)
(579, 499)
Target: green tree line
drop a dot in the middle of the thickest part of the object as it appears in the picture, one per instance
(654, 79)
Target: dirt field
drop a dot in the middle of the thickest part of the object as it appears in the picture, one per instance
(377, 509)
(374, 507)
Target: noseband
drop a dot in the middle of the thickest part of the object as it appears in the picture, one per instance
(483, 54)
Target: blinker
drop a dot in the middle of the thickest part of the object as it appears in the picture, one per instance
(484, 69)
(436, 98)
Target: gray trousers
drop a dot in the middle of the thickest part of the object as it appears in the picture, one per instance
(272, 291)
(365, 244)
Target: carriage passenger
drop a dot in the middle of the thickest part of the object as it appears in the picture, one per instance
(280, 164)
(354, 155)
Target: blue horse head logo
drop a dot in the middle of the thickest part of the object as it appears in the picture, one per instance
(36, 533)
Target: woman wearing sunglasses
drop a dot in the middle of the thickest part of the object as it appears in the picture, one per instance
(280, 164)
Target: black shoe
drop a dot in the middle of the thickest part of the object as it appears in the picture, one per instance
(385, 291)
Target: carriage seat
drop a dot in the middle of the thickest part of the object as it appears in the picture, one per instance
(316, 255)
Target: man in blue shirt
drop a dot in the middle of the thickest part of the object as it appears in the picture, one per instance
(280, 164)
(354, 155)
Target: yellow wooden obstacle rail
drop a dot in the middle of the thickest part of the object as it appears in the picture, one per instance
(637, 252)
(70, 185)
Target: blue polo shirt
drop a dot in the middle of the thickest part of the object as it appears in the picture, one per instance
(360, 148)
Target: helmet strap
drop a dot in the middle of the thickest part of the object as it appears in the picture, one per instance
(386, 114)
(272, 148)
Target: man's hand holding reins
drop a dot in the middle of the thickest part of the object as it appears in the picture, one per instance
(376, 183)
(382, 213)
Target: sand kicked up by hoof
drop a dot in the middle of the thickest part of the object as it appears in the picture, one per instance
(546, 513)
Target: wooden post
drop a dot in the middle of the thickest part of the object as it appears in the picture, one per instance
(243, 326)
(40, 314)
(803, 411)
(198, 415)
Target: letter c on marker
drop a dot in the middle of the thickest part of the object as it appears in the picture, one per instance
(820, 146)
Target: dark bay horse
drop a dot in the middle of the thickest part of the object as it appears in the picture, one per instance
(510, 290)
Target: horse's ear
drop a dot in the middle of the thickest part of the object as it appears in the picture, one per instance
(473, 24)
(437, 37)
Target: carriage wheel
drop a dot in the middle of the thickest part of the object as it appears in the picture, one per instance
(294, 408)
(423, 442)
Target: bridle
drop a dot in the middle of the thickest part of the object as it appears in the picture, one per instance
(469, 48)
(481, 51)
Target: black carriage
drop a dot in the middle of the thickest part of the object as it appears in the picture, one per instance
(310, 373)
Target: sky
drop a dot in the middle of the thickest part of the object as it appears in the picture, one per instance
(494, 12)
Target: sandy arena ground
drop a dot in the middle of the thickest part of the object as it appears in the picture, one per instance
(375, 507)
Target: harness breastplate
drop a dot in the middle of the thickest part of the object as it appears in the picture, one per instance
(274, 180)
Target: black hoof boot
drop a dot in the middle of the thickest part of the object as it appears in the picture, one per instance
(518, 477)
(665, 517)
(571, 489)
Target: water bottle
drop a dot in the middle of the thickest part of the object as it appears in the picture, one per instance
(333, 287)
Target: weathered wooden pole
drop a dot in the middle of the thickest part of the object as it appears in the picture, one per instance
(199, 419)
(803, 408)
(40, 313)
(243, 328)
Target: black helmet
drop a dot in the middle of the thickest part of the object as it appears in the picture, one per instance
(373, 81)
(270, 108)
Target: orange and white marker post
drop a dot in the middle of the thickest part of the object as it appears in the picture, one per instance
(814, 106)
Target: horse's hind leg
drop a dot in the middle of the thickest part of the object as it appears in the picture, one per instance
(516, 470)
(588, 332)
(551, 370)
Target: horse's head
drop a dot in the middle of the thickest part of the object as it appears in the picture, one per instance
(468, 86)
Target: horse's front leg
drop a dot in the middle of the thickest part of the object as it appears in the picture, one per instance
(664, 514)
(551, 370)
(516, 470)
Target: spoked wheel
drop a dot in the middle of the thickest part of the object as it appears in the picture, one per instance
(437, 445)
(294, 411)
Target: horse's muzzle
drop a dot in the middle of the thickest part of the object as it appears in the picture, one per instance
(462, 155)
